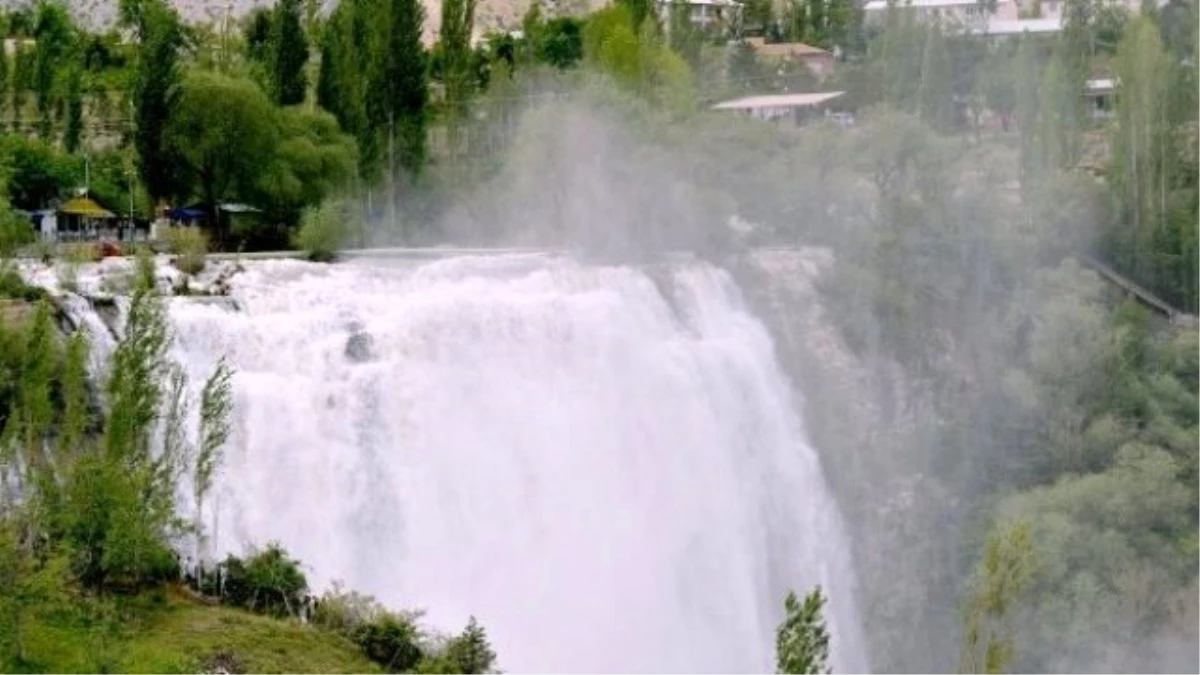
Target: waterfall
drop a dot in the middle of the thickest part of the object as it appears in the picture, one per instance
(604, 464)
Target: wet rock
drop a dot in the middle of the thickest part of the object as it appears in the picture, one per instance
(359, 347)
(223, 663)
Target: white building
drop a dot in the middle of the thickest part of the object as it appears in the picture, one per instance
(703, 14)
(796, 108)
(969, 15)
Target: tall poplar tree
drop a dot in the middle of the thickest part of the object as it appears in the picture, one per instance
(1142, 129)
(408, 89)
(458, 19)
(288, 50)
(18, 83)
(155, 91)
(55, 37)
(73, 135)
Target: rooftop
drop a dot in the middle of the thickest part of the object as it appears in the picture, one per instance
(785, 49)
(778, 101)
(1018, 26)
(718, 3)
(879, 5)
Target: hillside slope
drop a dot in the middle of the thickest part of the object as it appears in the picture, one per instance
(169, 632)
(490, 14)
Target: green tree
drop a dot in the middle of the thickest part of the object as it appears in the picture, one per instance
(458, 21)
(349, 84)
(408, 89)
(119, 501)
(562, 42)
(55, 39)
(934, 94)
(1003, 574)
(5, 77)
(470, 652)
(1143, 148)
(257, 34)
(682, 34)
(288, 54)
(1027, 113)
(222, 150)
(19, 83)
(312, 160)
(801, 641)
(1000, 88)
(32, 585)
(73, 135)
(216, 404)
(639, 11)
(155, 95)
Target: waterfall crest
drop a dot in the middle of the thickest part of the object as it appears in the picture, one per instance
(604, 465)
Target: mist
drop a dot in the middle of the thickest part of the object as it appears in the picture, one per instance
(905, 275)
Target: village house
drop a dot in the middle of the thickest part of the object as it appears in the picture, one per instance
(706, 15)
(820, 62)
(793, 109)
(967, 15)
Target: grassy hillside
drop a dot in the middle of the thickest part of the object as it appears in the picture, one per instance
(166, 631)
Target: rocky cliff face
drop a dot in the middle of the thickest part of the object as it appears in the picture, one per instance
(875, 428)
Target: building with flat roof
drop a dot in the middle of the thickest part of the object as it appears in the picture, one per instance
(797, 108)
(820, 62)
(703, 14)
(968, 15)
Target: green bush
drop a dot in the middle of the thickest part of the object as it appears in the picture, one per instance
(268, 582)
(15, 232)
(387, 638)
(13, 286)
(390, 640)
(189, 245)
(322, 231)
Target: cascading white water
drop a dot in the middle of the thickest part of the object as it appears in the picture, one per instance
(611, 480)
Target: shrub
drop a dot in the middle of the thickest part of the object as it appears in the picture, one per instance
(189, 245)
(391, 640)
(268, 582)
(322, 231)
(343, 611)
(13, 286)
(14, 232)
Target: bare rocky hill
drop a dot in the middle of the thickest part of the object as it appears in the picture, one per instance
(490, 14)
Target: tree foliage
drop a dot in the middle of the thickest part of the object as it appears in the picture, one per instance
(287, 51)
(801, 641)
(155, 96)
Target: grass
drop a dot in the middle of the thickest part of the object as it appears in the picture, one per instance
(169, 632)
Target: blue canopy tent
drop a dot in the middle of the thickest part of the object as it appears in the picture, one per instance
(187, 215)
